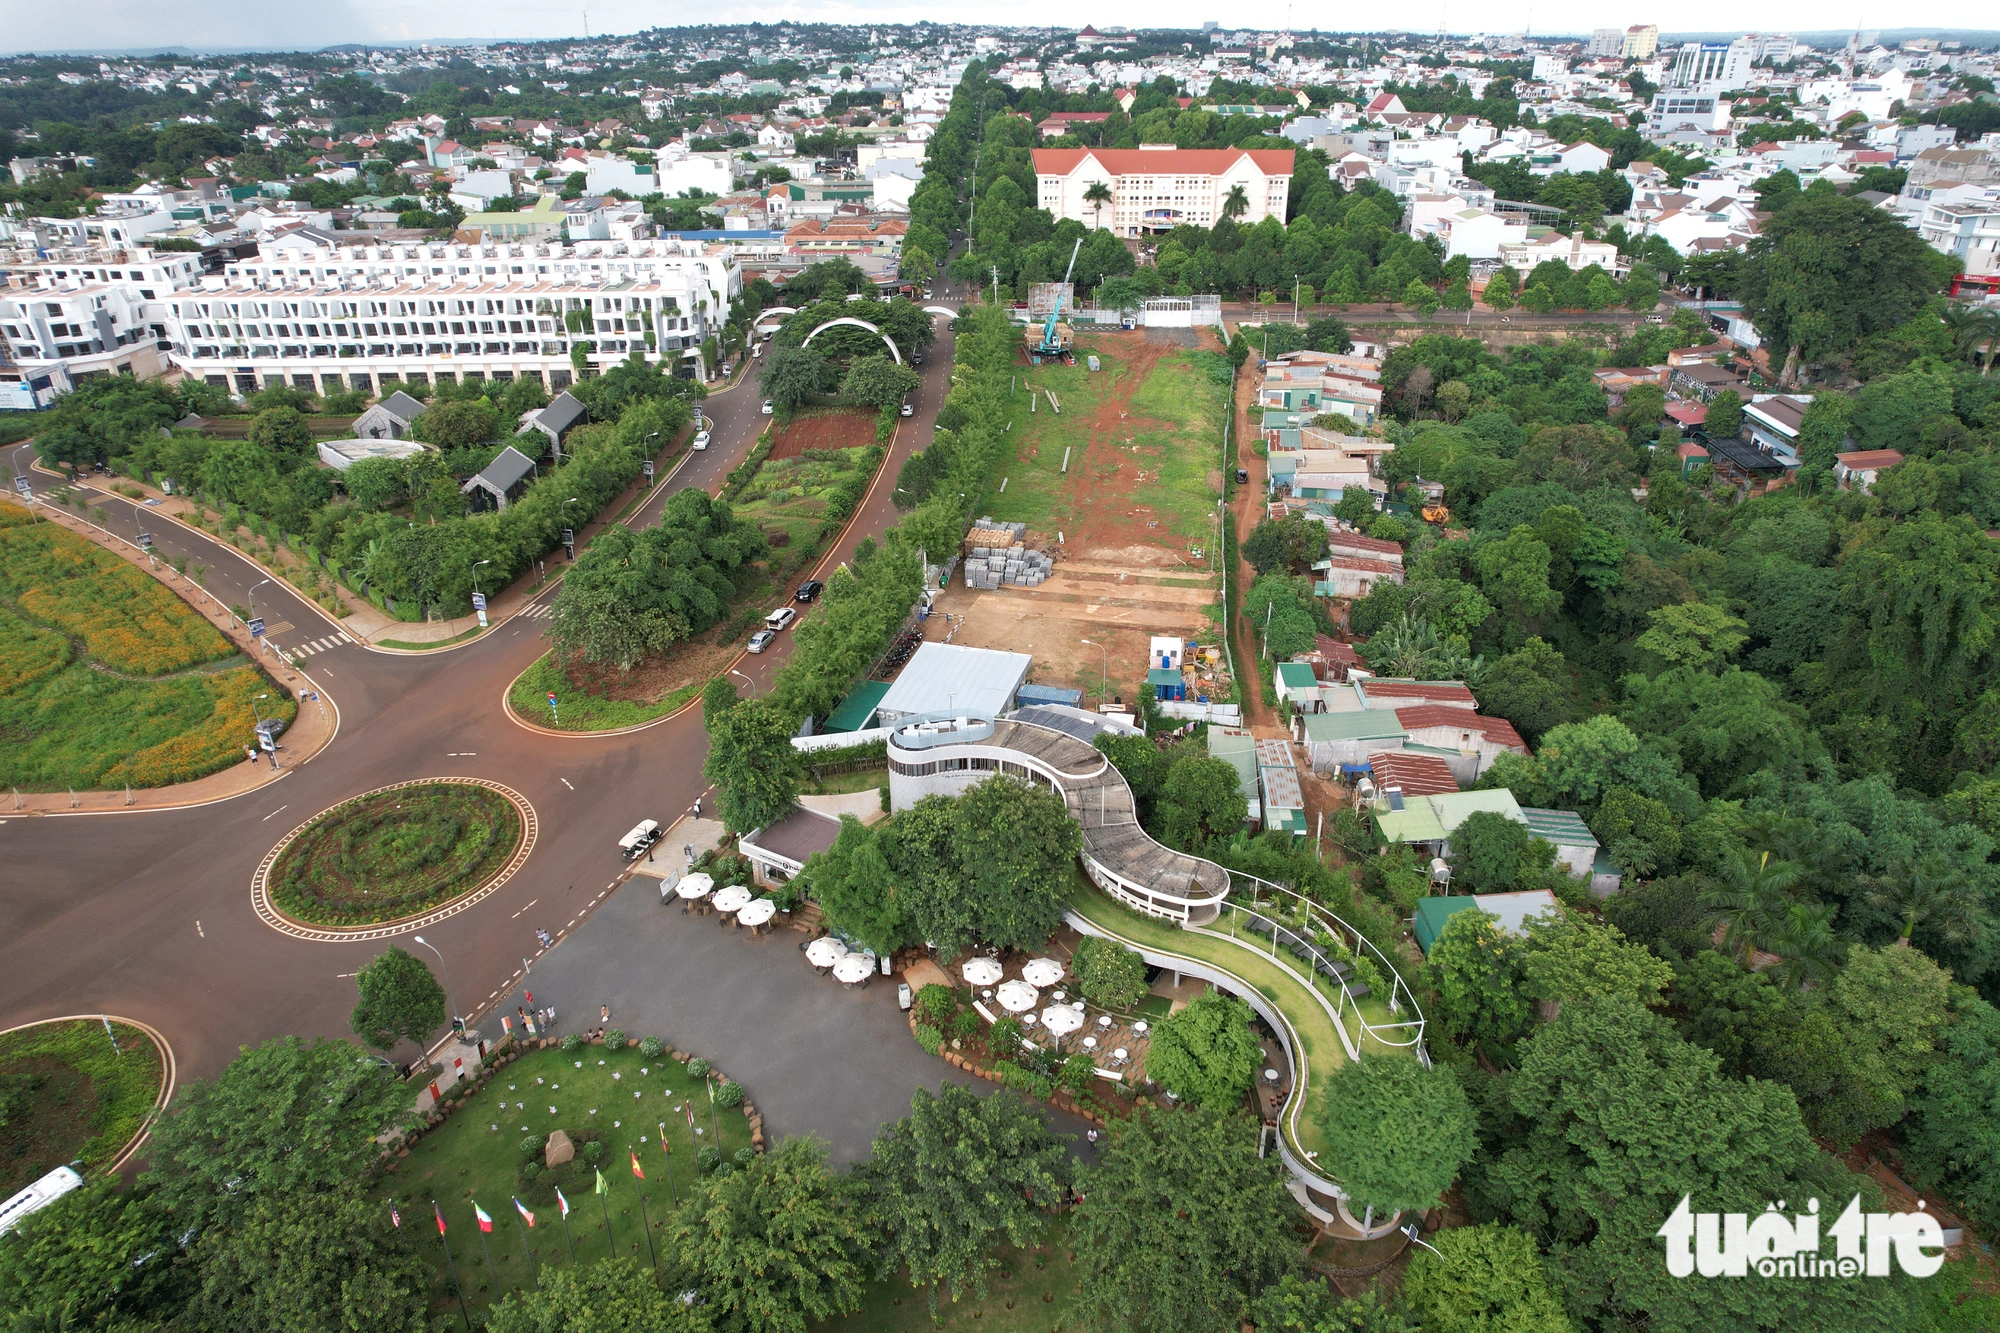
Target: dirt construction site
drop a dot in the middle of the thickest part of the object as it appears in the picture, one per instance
(1116, 476)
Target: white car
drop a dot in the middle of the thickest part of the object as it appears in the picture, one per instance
(761, 640)
(769, 407)
(906, 409)
(701, 440)
(780, 618)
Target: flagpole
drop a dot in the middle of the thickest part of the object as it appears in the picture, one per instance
(487, 1250)
(610, 1236)
(647, 1222)
(568, 1244)
(452, 1264)
(711, 1116)
(673, 1198)
(529, 1250)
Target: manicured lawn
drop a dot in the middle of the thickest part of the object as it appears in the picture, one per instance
(1189, 452)
(1027, 1294)
(1322, 1048)
(577, 711)
(477, 1155)
(107, 677)
(409, 646)
(395, 853)
(66, 1095)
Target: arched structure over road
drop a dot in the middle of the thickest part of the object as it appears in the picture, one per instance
(887, 341)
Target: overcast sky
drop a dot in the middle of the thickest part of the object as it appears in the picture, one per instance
(38, 25)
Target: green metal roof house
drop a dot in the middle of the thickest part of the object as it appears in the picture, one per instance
(1297, 682)
(1238, 749)
(1512, 910)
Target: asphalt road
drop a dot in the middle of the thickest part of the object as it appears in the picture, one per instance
(148, 914)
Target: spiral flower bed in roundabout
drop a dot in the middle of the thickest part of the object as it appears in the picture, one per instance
(393, 859)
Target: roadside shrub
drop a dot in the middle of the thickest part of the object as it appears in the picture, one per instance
(698, 1067)
(1003, 1039)
(615, 1039)
(529, 1170)
(707, 1159)
(533, 1144)
(652, 1047)
(729, 1094)
(966, 1024)
(745, 1156)
(593, 1152)
(929, 1038)
(572, 1042)
(936, 1004)
(1079, 1074)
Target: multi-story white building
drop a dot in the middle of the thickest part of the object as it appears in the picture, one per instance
(1606, 42)
(75, 312)
(1157, 187)
(1969, 229)
(356, 312)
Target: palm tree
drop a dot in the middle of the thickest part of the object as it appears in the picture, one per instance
(1097, 196)
(1236, 203)
(1933, 893)
(1749, 901)
(1808, 950)
(1973, 329)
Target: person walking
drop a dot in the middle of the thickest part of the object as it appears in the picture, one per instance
(604, 1013)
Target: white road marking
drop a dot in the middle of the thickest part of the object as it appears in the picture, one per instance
(198, 930)
(342, 976)
(280, 810)
(531, 903)
(566, 782)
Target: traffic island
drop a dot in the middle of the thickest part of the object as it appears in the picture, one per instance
(78, 1090)
(394, 859)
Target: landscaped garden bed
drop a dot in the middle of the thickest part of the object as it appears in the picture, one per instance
(68, 1095)
(395, 853)
(106, 676)
(489, 1143)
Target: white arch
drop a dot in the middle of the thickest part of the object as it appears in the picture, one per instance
(889, 342)
(946, 311)
(769, 311)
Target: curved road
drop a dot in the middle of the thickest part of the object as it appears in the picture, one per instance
(149, 913)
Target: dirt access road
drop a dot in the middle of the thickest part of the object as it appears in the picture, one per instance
(1126, 568)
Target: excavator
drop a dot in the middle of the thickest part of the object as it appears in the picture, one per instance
(1056, 338)
(1433, 510)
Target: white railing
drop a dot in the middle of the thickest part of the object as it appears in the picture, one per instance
(1405, 1033)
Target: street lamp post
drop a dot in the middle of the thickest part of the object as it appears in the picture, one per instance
(252, 594)
(447, 979)
(1104, 680)
(475, 572)
(746, 680)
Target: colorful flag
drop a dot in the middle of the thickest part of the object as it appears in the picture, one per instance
(561, 1202)
(440, 1216)
(711, 1089)
(690, 1111)
(522, 1209)
(635, 1166)
(600, 1184)
(665, 1147)
(395, 1218)
(485, 1222)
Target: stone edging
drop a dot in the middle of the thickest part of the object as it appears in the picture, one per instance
(169, 1072)
(268, 913)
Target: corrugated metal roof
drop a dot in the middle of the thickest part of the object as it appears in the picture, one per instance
(1565, 828)
(858, 707)
(1362, 724)
(979, 681)
(1281, 790)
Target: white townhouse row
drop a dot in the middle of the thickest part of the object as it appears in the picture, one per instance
(327, 317)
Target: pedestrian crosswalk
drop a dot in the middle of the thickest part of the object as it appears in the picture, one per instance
(311, 646)
(540, 611)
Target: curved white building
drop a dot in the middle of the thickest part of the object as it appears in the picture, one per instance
(941, 754)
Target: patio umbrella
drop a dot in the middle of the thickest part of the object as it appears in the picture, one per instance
(757, 912)
(825, 951)
(1042, 972)
(1061, 1020)
(1018, 997)
(980, 972)
(731, 898)
(853, 968)
(695, 886)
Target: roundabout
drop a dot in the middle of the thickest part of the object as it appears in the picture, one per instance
(394, 859)
(82, 1088)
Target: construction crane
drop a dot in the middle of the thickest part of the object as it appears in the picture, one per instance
(1053, 343)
